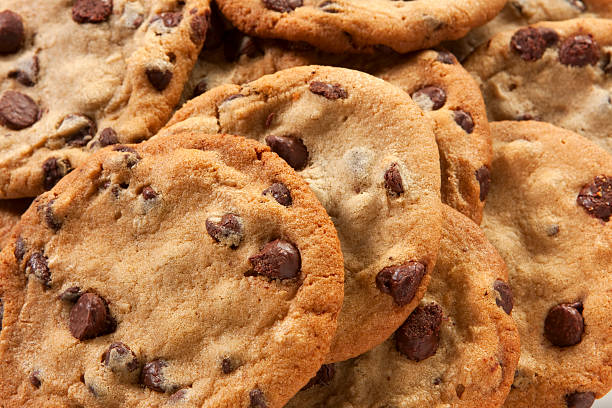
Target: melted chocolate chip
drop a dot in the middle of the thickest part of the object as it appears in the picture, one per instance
(120, 358)
(77, 129)
(159, 78)
(53, 171)
(108, 137)
(289, 148)
(393, 180)
(90, 317)
(419, 336)
(12, 33)
(91, 11)
(505, 299)
(20, 249)
(446, 57)
(580, 400)
(152, 377)
(37, 266)
(200, 88)
(278, 259)
(35, 380)
(531, 43)
(324, 376)
(579, 51)
(464, 120)
(281, 194)
(227, 230)
(148, 193)
(483, 175)
(596, 198)
(282, 6)
(71, 294)
(401, 281)
(564, 324)
(430, 98)
(26, 72)
(199, 26)
(257, 398)
(328, 91)
(18, 111)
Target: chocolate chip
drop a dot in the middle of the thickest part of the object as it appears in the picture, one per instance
(289, 148)
(35, 380)
(20, 249)
(446, 57)
(393, 180)
(71, 294)
(199, 26)
(148, 193)
(419, 336)
(505, 299)
(1, 313)
(596, 198)
(91, 11)
(152, 377)
(531, 43)
(430, 98)
(280, 193)
(53, 171)
(459, 390)
(278, 259)
(132, 158)
(18, 111)
(227, 366)
(235, 44)
(579, 4)
(269, 119)
(159, 78)
(401, 281)
(324, 376)
(200, 88)
(564, 324)
(108, 137)
(580, 400)
(227, 230)
(579, 51)
(26, 72)
(77, 129)
(257, 398)
(178, 396)
(231, 98)
(483, 175)
(330, 7)
(49, 216)
(37, 265)
(282, 6)
(120, 359)
(329, 91)
(171, 19)
(90, 317)
(12, 33)
(464, 119)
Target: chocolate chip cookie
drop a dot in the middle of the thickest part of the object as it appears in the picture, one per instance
(559, 73)
(370, 156)
(360, 25)
(79, 75)
(188, 270)
(10, 212)
(459, 348)
(548, 215)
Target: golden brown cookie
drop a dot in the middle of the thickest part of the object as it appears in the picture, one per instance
(10, 212)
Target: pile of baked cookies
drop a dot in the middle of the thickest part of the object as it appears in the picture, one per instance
(305, 203)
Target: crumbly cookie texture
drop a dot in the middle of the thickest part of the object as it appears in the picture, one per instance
(360, 25)
(442, 88)
(370, 156)
(518, 13)
(548, 214)
(559, 73)
(10, 212)
(80, 75)
(166, 273)
(459, 348)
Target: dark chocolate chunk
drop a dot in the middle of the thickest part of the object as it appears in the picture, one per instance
(281, 194)
(430, 98)
(91, 11)
(108, 137)
(464, 119)
(90, 317)
(596, 198)
(282, 6)
(37, 266)
(53, 171)
(401, 281)
(226, 230)
(278, 259)
(483, 175)
(419, 336)
(393, 180)
(158, 77)
(257, 398)
(289, 148)
(564, 324)
(505, 300)
(18, 111)
(531, 43)
(329, 91)
(12, 33)
(579, 51)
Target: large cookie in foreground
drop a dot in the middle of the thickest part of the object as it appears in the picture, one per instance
(162, 274)
(559, 73)
(459, 348)
(548, 215)
(360, 25)
(369, 154)
(78, 75)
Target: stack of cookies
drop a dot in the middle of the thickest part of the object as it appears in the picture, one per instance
(305, 203)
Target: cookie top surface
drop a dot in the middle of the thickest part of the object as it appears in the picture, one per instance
(547, 214)
(360, 25)
(10, 212)
(442, 88)
(370, 156)
(520, 73)
(84, 74)
(459, 348)
(159, 274)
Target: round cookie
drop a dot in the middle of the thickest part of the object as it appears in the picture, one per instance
(166, 273)
(10, 212)
(370, 156)
(360, 25)
(520, 73)
(548, 215)
(458, 349)
(84, 74)
(444, 90)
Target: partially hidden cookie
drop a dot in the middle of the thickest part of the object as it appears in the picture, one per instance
(519, 13)
(370, 156)
(360, 25)
(443, 89)
(559, 73)
(10, 212)
(79, 75)
(459, 348)
(548, 215)
(165, 274)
